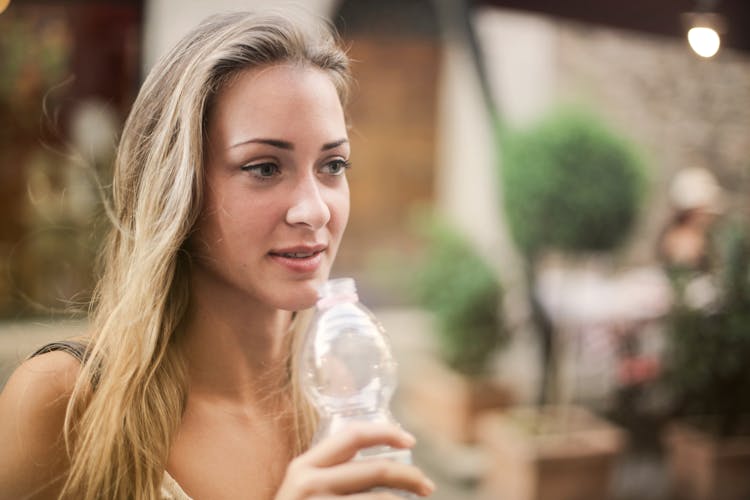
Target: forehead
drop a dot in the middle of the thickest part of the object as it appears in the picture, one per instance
(276, 100)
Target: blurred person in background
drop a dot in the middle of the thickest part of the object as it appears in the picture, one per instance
(685, 244)
(229, 202)
(696, 197)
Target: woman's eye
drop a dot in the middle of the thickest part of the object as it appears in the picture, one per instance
(336, 167)
(263, 170)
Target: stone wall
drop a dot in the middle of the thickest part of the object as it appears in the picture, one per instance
(682, 110)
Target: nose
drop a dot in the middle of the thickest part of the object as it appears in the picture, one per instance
(308, 207)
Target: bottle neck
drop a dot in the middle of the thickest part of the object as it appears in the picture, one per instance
(337, 291)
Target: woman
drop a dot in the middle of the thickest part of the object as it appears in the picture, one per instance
(229, 202)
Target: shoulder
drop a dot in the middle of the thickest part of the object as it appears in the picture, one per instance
(33, 405)
(45, 378)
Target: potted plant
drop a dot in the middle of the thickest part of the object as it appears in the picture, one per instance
(461, 291)
(708, 371)
(572, 186)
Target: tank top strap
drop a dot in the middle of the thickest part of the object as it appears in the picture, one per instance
(75, 348)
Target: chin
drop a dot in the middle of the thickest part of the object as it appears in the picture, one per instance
(302, 296)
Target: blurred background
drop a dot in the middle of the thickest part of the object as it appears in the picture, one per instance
(549, 215)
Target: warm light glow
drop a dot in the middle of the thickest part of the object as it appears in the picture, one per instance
(4, 5)
(704, 41)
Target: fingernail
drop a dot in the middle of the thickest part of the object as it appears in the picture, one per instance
(429, 487)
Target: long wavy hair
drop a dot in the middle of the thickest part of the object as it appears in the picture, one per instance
(129, 398)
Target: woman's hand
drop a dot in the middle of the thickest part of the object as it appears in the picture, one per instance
(326, 470)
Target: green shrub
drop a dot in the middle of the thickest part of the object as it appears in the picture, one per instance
(570, 184)
(465, 296)
(707, 364)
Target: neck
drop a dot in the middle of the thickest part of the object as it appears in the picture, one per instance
(236, 350)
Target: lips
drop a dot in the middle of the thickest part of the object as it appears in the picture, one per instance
(299, 251)
(299, 259)
(295, 255)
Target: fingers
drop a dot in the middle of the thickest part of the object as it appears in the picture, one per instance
(362, 496)
(354, 478)
(381, 495)
(342, 447)
(363, 475)
(327, 470)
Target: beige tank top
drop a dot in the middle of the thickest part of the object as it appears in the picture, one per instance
(170, 489)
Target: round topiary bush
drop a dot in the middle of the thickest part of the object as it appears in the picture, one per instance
(570, 184)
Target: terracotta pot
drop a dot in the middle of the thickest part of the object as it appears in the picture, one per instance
(704, 467)
(549, 453)
(444, 404)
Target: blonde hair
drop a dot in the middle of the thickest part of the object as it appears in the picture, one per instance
(118, 429)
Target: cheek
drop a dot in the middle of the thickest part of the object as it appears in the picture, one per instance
(254, 219)
(340, 210)
(229, 219)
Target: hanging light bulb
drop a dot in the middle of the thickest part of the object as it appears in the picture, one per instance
(704, 41)
(703, 28)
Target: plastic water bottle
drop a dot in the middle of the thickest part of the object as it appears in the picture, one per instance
(347, 368)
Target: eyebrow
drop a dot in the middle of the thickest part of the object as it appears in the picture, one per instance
(288, 145)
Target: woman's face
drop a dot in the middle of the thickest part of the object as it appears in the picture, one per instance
(276, 196)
